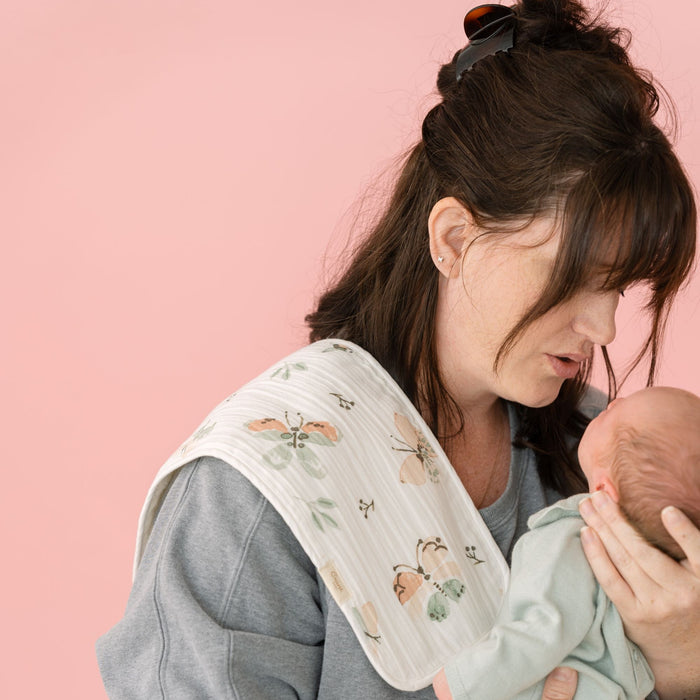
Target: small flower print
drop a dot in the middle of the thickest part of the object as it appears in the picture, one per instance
(365, 507)
(471, 554)
(343, 402)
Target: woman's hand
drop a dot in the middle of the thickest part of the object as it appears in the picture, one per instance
(559, 685)
(657, 597)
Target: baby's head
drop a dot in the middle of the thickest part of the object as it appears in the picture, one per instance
(644, 451)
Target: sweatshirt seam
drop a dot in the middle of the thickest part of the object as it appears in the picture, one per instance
(239, 564)
(162, 662)
(238, 572)
(229, 668)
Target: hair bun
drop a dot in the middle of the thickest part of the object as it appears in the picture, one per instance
(567, 25)
(551, 25)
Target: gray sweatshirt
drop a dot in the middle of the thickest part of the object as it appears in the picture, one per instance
(226, 603)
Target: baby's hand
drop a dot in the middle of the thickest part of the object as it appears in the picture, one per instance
(442, 690)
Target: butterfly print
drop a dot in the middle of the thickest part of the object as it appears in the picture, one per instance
(420, 463)
(295, 441)
(431, 583)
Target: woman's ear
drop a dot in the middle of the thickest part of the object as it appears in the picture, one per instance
(452, 229)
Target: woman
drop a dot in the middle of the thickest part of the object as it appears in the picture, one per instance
(540, 190)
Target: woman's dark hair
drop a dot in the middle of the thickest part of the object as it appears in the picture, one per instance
(561, 123)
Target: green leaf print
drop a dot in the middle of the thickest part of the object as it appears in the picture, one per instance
(201, 433)
(329, 520)
(285, 370)
(320, 519)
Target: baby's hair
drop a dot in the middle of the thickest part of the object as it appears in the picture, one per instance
(655, 469)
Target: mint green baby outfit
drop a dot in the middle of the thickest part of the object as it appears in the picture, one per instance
(555, 614)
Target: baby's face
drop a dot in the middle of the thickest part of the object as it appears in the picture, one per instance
(644, 411)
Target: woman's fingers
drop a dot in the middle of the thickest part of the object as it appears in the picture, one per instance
(560, 684)
(681, 528)
(658, 598)
(604, 570)
(646, 585)
(642, 566)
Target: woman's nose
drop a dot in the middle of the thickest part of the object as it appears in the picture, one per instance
(595, 317)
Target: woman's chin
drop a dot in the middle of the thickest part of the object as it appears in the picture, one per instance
(541, 396)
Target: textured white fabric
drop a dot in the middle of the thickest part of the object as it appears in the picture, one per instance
(339, 450)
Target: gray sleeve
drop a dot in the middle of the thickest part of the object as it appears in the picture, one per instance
(225, 603)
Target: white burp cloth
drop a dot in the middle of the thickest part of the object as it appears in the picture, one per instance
(339, 450)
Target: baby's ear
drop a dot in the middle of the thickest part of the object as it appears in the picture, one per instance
(605, 484)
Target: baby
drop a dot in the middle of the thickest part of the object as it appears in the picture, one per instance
(644, 451)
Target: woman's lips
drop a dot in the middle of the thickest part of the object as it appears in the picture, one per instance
(566, 366)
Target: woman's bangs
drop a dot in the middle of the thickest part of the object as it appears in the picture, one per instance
(633, 223)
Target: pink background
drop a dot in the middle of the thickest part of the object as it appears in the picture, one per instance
(172, 175)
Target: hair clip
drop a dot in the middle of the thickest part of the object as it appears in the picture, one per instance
(490, 29)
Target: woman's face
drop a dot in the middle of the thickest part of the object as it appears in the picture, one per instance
(501, 277)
